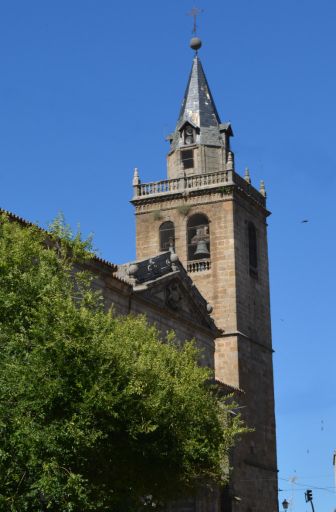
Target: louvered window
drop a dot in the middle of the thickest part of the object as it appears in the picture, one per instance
(187, 158)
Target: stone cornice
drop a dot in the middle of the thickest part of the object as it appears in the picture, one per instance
(245, 336)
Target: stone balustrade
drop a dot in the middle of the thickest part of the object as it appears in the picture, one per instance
(198, 265)
(142, 190)
(193, 183)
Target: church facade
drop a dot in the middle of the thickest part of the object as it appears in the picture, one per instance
(215, 221)
(202, 270)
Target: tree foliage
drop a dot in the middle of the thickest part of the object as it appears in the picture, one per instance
(95, 411)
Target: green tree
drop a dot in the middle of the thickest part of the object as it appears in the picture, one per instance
(95, 412)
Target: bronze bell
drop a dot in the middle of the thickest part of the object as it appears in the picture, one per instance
(202, 249)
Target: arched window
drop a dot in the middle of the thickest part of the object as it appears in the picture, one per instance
(198, 234)
(253, 249)
(167, 236)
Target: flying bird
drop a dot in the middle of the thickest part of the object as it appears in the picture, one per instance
(304, 221)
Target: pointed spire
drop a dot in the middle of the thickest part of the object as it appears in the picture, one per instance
(199, 109)
(198, 106)
(198, 127)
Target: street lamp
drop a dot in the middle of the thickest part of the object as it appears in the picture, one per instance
(285, 504)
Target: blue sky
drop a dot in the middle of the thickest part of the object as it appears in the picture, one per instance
(88, 91)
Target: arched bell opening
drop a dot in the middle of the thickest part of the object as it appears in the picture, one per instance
(198, 240)
(167, 236)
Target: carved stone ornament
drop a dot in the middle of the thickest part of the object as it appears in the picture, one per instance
(153, 267)
(173, 295)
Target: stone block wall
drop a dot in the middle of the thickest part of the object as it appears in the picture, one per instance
(218, 285)
(243, 355)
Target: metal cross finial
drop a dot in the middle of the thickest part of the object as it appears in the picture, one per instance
(194, 13)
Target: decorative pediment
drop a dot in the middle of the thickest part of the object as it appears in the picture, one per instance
(188, 123)
(172, 296)
(163, 281)
(176, 296)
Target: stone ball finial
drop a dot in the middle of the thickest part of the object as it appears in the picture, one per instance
(132, 269)
(195, 43)
(173, 257)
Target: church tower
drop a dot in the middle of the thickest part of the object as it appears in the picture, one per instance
(215, 221)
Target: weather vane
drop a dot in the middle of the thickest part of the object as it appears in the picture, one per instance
(194, 13)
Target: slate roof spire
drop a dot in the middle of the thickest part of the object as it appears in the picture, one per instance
(198, 106)
(199, 109)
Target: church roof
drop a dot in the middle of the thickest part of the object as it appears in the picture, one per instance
(156, 274)
(198, 108)
(24, 222)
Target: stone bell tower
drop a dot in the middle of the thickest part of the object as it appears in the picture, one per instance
(215, 221)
